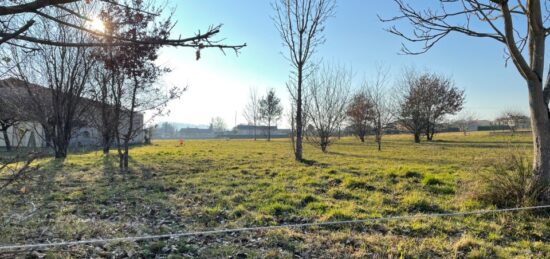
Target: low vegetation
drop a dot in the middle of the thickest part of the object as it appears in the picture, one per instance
(203, 185)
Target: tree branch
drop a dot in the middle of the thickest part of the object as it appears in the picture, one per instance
(21, 30)
(31, 7)
(515, 53)
(194, 42)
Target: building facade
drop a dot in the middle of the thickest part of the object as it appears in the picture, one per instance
(28, 132)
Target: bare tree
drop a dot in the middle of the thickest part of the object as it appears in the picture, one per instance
(252, 109)
(218, 125)
(107, 85)
(301, 24)
(465, 120)
(512, 119)
(270, 110)
(496, 20)
(359, 112)
(63, 74)
(382, 114)
(329, 94)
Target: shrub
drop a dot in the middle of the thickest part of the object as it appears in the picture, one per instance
(508, 183)
(415, 202)
(339, 214)
(341, 194)
(470, 247)
(412, 174)
(277, 209)
(431, 180)
(358, 184)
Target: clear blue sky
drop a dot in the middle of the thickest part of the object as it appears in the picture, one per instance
(218, 83)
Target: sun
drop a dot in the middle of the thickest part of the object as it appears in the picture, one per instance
(97, 24)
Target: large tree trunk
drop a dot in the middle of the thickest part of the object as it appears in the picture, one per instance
(540, 122)
(362, 138)
(298, 150)
(60, 151)
(60, 143)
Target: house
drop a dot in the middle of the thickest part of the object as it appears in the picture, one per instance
(15, 101)
(514, 121)
(248, 131)
(196, 133)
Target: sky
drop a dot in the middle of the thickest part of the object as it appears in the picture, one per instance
(218, 84)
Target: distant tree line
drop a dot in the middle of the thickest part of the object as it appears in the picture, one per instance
(419, 103)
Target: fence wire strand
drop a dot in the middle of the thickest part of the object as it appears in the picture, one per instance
(263, 228)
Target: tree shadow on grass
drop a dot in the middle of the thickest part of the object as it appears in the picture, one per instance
(348, 154)
(31, 199)
(311, 162)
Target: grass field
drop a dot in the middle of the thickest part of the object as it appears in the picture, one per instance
(216, 184)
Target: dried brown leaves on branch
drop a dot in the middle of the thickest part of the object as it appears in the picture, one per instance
(19, 16)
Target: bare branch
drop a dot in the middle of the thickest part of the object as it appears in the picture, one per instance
(15, 34)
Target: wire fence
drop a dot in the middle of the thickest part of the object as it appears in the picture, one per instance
(263, 228)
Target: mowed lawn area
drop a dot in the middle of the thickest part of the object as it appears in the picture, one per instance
(214, 184)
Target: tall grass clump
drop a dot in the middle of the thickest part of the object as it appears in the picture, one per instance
(509, 182)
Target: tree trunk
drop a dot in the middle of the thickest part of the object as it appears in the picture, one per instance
(61, 151)
(323, 143)
(379, 132)
(254, 130)
(106, 145)
(417, 137)
(540, 122)
(269, 130)
(298, 150)
(106, 150)
(429, 131)
(125, 156)
(6, 139)
(362, 138)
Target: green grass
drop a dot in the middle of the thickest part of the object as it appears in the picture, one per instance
(241, 183)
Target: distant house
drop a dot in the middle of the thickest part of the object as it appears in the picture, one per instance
(243, 129)
(514, 122)
(477, 124)
(196, 133)
(28, 132)
(249, 131)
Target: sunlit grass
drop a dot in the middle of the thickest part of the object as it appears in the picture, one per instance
(206, 184)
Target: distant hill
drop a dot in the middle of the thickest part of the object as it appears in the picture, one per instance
(180, 125)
